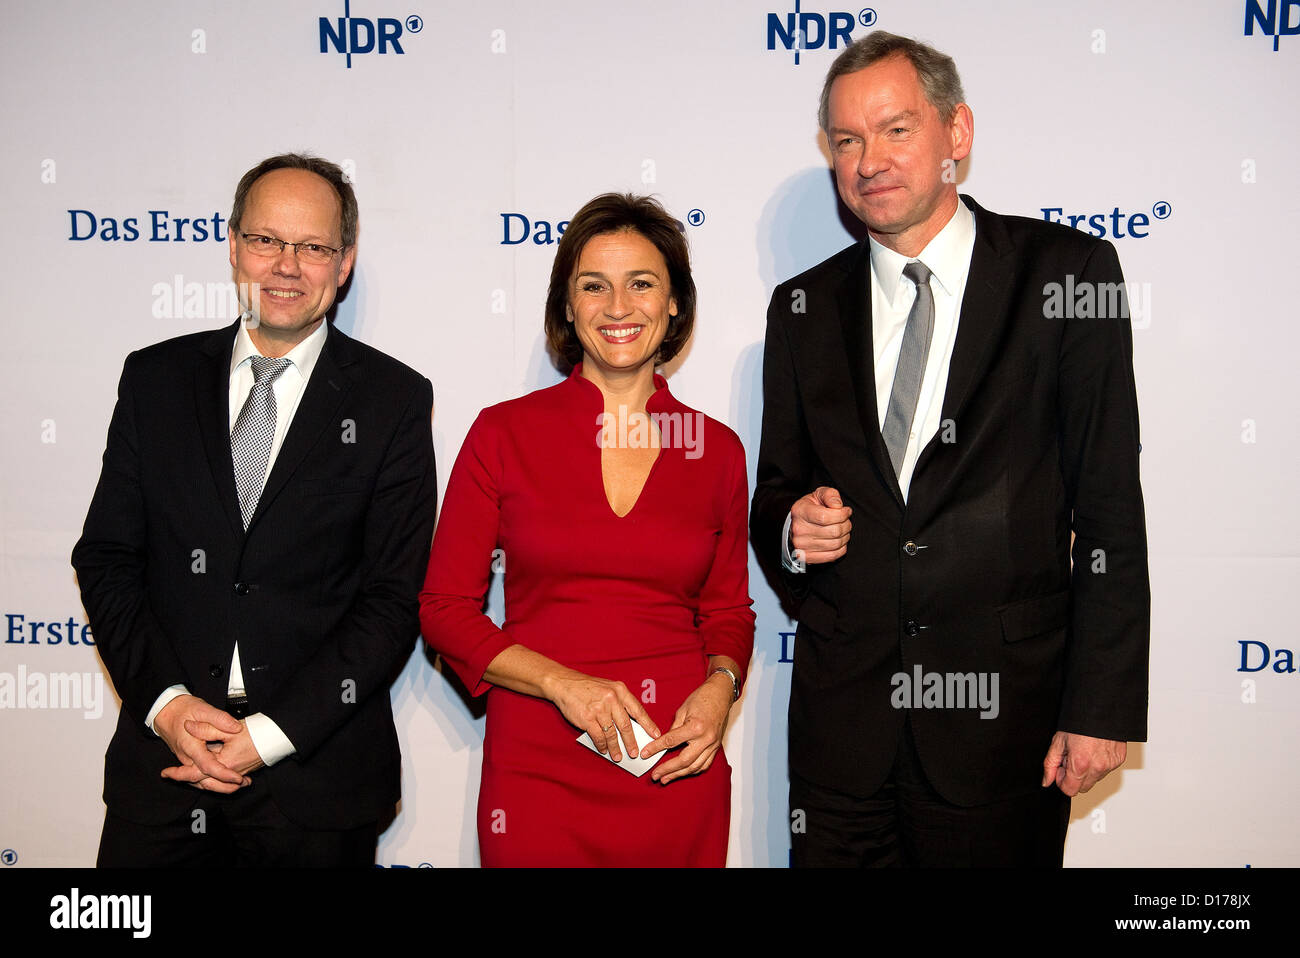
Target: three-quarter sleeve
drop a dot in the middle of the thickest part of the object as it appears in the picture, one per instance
(460, 562)
(725, 619)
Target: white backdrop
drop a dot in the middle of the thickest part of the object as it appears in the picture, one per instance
(498, 111)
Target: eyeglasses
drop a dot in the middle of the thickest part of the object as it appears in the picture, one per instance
(270, 246)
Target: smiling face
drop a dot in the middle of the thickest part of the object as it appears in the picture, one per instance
(299, 207)
(895, 157)
(620, 303)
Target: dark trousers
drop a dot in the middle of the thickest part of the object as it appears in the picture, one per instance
(242, 830)
(908, 824)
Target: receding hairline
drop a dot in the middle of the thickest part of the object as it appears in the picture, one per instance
(330, 172)
(337, 228)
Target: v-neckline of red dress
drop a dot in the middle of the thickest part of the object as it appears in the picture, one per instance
(659, 399)
(640, 492)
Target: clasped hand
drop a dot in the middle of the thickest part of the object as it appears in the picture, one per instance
(605, 710)
(197, 733)
(820, 526)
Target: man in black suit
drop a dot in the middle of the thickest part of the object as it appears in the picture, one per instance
(936, 426)
(252, 557)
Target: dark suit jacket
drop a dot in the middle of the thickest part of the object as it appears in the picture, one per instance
(973, 573)
(320, 593)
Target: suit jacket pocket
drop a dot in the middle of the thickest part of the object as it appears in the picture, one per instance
(1037, 616)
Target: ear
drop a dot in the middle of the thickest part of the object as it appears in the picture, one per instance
(234, 238)
(672, 306)
(345, 264)
(962, 130)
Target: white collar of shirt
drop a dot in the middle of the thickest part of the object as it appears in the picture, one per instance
(303, 356)
(947, 257)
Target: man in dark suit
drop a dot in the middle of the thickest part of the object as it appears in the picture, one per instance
(252, 556)
(937, 424)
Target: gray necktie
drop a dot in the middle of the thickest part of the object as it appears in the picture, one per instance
(911, 366)
(254, 434)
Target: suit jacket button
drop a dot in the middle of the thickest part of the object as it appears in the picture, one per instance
(241, 588)
(215, 671)
(910, 548)
(912, 628)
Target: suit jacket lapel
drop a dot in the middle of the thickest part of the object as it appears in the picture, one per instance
(985, 312)
(330, 382)
(859, 348)
(212, 407)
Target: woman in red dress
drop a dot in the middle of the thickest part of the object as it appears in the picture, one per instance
(621, 514)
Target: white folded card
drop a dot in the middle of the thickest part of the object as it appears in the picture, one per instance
(636, 765)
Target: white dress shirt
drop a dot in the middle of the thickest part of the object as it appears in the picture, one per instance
(269, 740)
(947, 256)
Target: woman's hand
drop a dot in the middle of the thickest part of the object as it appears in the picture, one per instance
(601, 707)
(699, 723)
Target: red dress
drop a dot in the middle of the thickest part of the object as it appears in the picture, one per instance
(643, 599)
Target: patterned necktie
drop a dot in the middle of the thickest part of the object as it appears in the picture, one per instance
(911, 366)
(254, 434)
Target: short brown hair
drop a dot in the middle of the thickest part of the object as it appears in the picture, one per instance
(330, 172)
(936, 71)
(614, 213)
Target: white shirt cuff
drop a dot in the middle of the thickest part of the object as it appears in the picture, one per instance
(789, 560)
(271, 743)
(169, 693)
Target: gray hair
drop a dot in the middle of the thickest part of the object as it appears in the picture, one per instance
(937, 71)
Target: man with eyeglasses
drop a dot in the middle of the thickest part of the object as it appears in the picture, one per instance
(252, 556)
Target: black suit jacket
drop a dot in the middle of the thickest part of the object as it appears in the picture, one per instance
(320, 593)
(972, 574)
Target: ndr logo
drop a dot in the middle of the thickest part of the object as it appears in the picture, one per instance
(811, 31)
(1269, 23)
(356, 35)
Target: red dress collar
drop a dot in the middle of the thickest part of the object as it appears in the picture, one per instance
(582, 386)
